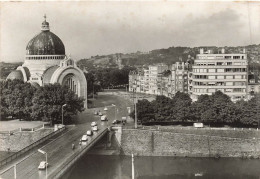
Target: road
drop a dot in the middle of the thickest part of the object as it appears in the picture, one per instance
(59, 150)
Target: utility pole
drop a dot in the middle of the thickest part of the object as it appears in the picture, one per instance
(93, 91)
(133, 167)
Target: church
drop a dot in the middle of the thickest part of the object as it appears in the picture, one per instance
(46, 62)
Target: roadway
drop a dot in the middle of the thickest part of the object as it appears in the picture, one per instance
(60, 150)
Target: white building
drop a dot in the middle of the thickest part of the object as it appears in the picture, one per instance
(45, 62)
(223, 72)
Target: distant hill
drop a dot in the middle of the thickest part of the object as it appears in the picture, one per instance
(168, 56)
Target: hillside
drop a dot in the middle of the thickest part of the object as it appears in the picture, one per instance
(168, 56)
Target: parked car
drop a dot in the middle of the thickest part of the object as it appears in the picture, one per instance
(94, 128)
(84, 140)
(100, 114)
(42, 165)
(89, 133)
(103, 118)
(93, 124)
(105, 109)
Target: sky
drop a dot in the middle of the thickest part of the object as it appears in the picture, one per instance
(100, 28)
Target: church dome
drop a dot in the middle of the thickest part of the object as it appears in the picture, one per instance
(17, 74)
(45, 43)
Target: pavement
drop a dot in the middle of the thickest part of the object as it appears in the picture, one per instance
(16, 124)
(59, 150)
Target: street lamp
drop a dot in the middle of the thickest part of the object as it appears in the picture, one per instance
(134, 99)
(45, 153)
(62, 111)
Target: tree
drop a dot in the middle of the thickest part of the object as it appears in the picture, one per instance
(48, 101)
(201, 106)
(181, 106)
(145, 112)
(92, 83)
(16, 99)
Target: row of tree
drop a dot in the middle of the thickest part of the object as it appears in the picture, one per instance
(99, 79)
(216, 109)
(23, 101)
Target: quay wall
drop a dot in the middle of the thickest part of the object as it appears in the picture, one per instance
(19, 140)
(147, 142)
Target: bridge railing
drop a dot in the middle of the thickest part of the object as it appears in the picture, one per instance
(74, 158)
(28, 148)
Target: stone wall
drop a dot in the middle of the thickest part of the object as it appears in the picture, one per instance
(19, 140)
(169, 143)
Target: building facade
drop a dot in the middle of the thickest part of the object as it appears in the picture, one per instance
(223, 72)
(45, 62)
(160, 79)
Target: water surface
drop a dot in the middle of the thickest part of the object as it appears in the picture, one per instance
(119, 167)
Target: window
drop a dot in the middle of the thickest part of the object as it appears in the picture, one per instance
(211, 77)
(220, 77)
(212, 70)
(219, 63)
(229, 63)
(227, 57)
(236, 57)
(220, 70)
(228, 90)
(238, 77)
(211, 90)
(238, 90)
(229, 83)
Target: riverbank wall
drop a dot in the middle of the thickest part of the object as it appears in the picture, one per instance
(190, 143)
(14, 142)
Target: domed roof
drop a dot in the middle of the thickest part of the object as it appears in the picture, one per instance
(45, 43)
(17, 74)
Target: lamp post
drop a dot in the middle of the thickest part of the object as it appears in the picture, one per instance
(45, 153)
(62, 111)
(134, 99)
(15, 171)
(133, 167)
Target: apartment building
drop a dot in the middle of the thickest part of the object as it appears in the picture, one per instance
(179, 77)
(160, 79)
(224, 72)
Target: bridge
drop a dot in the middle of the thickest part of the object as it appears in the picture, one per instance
(59, 149)
(60, 154)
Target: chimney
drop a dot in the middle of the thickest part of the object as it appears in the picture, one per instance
(201, 51)
(244, 50)
(222, 50)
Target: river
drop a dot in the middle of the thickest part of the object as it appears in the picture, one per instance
(119, 167)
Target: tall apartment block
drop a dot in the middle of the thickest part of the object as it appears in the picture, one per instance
(224, 72)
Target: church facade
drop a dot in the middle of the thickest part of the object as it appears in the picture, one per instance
(46, 63)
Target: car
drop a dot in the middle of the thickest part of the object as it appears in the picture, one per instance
(93, 124)
(84, 140)
(42, 165)
(115, 121)
(94, 128)
(103, 118)
(100, 114)
(95, 112)
(105, 109)
(89, 132)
